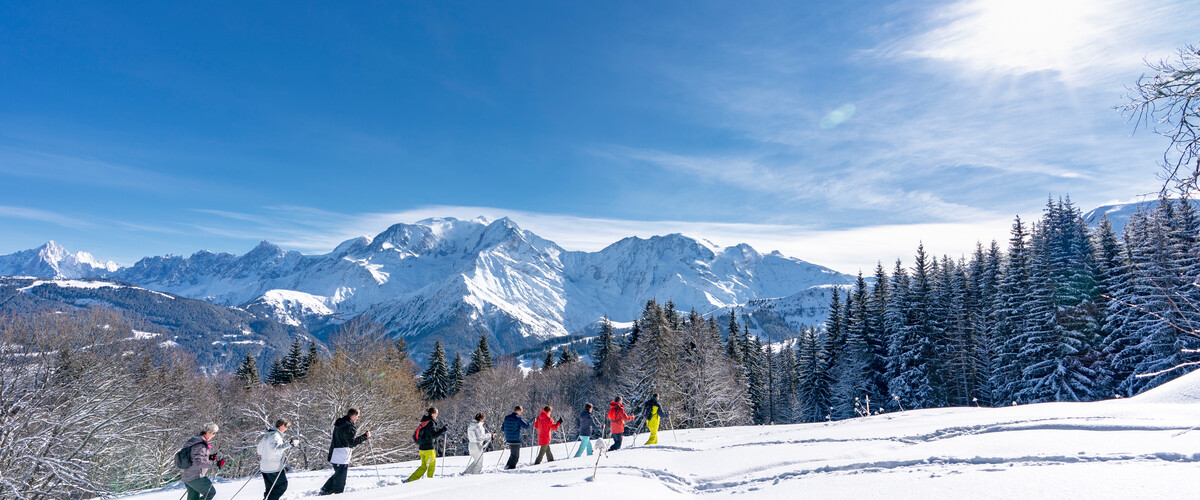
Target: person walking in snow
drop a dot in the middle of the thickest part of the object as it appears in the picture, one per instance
(200, 451)
(341, 446)
(617, 418)
(545, 426)
(272, 449)
(512, 427)
(586, 425)
(652, 412)
(478, 441)
(428, 430)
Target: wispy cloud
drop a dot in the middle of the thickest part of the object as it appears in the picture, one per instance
(1082, 42)
(19, 162)
(39, 215)
(961, 113)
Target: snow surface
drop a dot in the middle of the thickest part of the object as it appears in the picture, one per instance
(1111, 449)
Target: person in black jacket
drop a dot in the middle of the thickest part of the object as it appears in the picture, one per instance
(428, 430)
(340, 448)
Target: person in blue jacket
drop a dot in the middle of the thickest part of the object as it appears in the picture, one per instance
(512, 427)
(586, 426)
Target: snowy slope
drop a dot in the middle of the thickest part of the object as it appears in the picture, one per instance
(53, 261)
(1111, 449)
(452, 279)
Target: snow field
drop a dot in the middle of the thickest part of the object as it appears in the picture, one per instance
(1122, 449)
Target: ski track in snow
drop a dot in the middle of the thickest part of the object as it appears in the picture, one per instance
(1111, 449)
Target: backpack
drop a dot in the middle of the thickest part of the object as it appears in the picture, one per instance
(417, 433)
(183, 457)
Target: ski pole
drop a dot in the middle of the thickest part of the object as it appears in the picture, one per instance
(374, 458)
(1185, 431)
(635, 434)
(239, 490)
(444, 439)
(282, 468)
(671, 421)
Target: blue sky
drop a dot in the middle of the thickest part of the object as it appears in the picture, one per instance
(839, 134)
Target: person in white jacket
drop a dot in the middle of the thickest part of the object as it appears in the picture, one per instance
(478, 440)
(273, 449)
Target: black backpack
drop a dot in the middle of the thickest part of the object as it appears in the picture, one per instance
(183, 457)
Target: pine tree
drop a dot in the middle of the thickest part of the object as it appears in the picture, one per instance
(1011, 316)
(456, 375)
(291, 366)
(247, 371)
(604, 349)
(812, 371)
(481, 359)
(401, 353)
(733, 342)
(1109, 278)
(567, 356)
(548, 361)
(312, 359)
(631, 339)
(278, 374)
(435, 380)
(896, 328)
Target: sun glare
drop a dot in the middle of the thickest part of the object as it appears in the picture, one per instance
(1023, 35)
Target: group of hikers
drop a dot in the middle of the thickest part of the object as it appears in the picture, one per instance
(196, 457)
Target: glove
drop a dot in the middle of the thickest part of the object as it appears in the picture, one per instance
(220, 463)
(212, 457)
(560, 420)
(294, 442)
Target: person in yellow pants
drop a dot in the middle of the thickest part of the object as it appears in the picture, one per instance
(426, 432)
(428, 463)
(652, 412)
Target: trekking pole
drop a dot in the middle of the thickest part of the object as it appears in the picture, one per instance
(444, 439)
(375, 459)
(671, 420)
(282, 468)
(1177, 434)
(563, 433)
(502, 455)
(239, 490)
(635, 434)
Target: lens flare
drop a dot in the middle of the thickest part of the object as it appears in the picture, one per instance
(837, 116)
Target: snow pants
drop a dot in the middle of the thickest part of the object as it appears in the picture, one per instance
(652, 424)
(514, 455)
(616, 442)
(544, 451)
(200, 488)
(274, 484)
(584, 442)
(337, 483)
(476, 466)
(428, 462)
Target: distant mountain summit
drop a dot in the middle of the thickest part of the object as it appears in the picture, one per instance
(53, 261)
(454, 279)
(1119, 213)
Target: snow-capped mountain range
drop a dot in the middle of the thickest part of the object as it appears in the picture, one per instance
(453, 279)
(53, 261)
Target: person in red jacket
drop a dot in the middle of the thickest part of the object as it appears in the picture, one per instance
(544, 426)
(617, 417)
